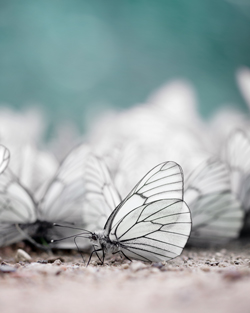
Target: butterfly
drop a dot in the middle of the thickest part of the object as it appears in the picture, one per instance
(25, 215)
(237, 156)
(152, 223)
(217, 215)
(4, 158)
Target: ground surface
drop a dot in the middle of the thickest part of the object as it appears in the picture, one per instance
(201, 280)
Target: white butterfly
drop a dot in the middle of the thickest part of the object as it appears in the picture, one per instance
(26, 216)
(152, 223)
(217, 215)
(4, 158)
(237, 155)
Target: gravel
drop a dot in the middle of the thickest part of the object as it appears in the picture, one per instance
(200, 280)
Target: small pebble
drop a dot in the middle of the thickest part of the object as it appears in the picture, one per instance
(54, 258)
(214, 263)
(42, 261)
(154, 270)
(137, 265)
(57, 262)
(205, 268)
(185, 258)
(7, 269)
(22, 256)
(157, 265)
(125, 266)
(223, 264)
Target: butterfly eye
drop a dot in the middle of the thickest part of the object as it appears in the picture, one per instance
(94, 237)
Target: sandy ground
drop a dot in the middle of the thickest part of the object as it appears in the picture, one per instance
(200, 280)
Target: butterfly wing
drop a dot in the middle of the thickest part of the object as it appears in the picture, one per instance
(100, 198)
(101, 195)
(153, 223)
(81, 193)
(32, 166)
(16, 204)
(4, 158)
(237, 156)
(64, 195)
(216, 213)
(9, 234)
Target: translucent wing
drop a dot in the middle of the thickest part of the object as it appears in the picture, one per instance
(16, 204)
(237, 156)
(9, 234)
(154, 232)
(101, 196)
(4, 158)
(16, 207)
(165, 181)
(216, 213)
(63, 197)
(32, 166)
(153, 223)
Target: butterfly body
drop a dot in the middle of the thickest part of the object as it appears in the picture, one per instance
(108, 246)
(103, 246)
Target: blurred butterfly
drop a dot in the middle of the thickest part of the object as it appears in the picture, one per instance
(25, 215)
(237, 155)
(217, 215)
(152, 223)
(4, 158)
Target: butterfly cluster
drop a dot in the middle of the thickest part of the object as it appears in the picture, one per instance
(116, 192)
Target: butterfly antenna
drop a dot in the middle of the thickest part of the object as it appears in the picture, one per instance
(78, 249)
(73, 236)
(72, 227)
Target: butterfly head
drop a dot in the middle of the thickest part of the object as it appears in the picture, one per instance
(95, 239)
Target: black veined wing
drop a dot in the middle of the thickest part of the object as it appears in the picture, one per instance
(33, 167)
(152, 223)
(4, 158)
(124, 164)
(63, 197)
(101, 196)
(216, 213)
(61, 201)
(16, 204)
(237, 156)
(9, 233)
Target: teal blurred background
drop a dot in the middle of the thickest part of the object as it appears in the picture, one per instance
(74, 58)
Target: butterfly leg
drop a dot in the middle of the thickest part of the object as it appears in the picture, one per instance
(94, 251)
(103, 256)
